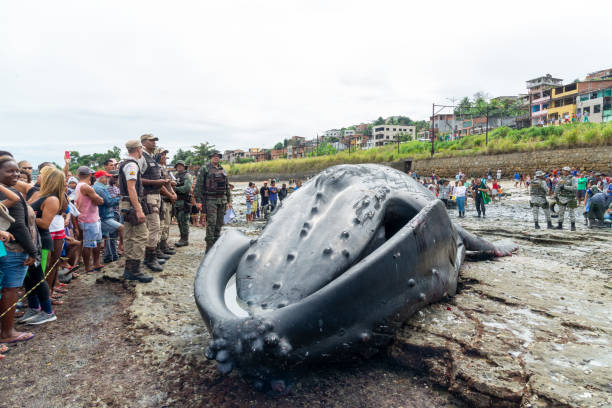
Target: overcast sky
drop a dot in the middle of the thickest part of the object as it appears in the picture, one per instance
(87, 75)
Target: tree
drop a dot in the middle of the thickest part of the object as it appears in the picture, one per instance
(94, 160)
(201, 153)
(379, 121)
(279, 145)
(183, 155)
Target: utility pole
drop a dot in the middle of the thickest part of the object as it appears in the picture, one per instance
(487, 128)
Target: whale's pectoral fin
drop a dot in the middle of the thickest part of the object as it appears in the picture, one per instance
(481, 249)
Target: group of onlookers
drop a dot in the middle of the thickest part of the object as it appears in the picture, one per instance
(261, 201)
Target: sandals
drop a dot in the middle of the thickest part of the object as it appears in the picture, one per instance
(22, 337)
(57, 302)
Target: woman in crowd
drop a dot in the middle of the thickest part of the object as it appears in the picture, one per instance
(481, 192)
(459, 193)
(47, 206)
(21, 253)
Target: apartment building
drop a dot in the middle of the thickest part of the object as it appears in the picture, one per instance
(231, 156)
(443, 123)
(333, 133)
(594, 100)
(384, 134)
(278, 153)
(562, 107)
(540, 91)
(598, 75)
(349, 132)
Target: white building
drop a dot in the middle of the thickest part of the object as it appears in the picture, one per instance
(349, 132)
(384, 134)
(332, 133)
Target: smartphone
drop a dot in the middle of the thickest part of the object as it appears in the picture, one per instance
(67, 155)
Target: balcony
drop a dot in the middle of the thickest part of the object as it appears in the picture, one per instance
(542, 112)
(541, 100)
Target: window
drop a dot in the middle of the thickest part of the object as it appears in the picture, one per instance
(394, 129)
(593, 95)
(596, 108)
(387, 128)
(587, 110)
(578, 111)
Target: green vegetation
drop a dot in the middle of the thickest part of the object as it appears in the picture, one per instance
(94, 161)
(501, 140)
(197, 155)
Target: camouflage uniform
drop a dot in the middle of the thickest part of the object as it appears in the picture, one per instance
(212, 191)
(565, 194)
(537, 192)
(182, 206)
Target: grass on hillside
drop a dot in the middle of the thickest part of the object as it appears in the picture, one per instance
(501, 140)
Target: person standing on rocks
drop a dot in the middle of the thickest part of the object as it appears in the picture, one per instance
(152, 181)
(565, 194)
(182, 205)
(212, 191)
(537, 193)
(131, 205)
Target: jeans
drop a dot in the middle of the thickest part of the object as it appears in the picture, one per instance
(461, 204)
(13, 269)
(39, 296)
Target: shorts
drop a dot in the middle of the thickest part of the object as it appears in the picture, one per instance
(194, 210)
(58, 234)
(494, 191)
(249, 207)
(109, 226)
(92, 234)
(580, 194)
(12, 269)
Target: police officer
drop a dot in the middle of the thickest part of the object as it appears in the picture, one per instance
(168, 197)
(182, 205)
(213, 193)
(565, 194)
(132, 197)
(537, 193)
(153, 182)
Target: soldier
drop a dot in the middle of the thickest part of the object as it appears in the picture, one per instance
(213, 193)
(565, 194)
(182, 205)
(153, 182)
(537, 192)
(131, 205)
(168, 198)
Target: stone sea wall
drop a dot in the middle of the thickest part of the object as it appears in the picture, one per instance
(587, 158)
(598, 159)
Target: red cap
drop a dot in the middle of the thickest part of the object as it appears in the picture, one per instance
(102, 173)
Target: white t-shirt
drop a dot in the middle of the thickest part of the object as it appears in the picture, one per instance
(57, 223)
(459, 191)
(130, 171)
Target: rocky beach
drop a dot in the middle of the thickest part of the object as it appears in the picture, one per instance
(529, 330)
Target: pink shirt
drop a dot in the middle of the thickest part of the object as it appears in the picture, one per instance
(89, 211)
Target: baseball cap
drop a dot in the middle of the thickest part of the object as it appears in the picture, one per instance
(83, 170)
(73, 180)
(102, 173)
(566, 168)
(160, 150)
(132, 144)
(148, 136)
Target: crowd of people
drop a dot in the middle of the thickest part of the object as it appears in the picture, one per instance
(62, 223)
(568, 189)
(262, 201)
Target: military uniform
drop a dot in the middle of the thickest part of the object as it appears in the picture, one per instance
(152, 171)
(182, 205)
(212, 190)
(165, 214)
(565, 194)
(135, 234)
(537, 192)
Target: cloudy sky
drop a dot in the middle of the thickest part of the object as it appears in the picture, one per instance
(87, 75)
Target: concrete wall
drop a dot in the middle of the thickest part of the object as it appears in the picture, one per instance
(590, 158)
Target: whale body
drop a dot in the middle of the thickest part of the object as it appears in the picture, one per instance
(339, 267)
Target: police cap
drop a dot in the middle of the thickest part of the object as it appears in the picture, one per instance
(132, 144)
(215, 153)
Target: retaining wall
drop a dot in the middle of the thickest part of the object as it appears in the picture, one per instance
(585, 158)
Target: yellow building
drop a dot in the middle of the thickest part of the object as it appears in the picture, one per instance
(562, 106)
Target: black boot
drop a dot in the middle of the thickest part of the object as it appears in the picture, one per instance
(151, 261)
(537, 225)
(573, 226)
(549, 224)
(184, 241)
(132, 272)
(560, 226)
(160, 254)
(166, 249)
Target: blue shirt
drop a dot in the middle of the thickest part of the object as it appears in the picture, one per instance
(105, 209)
(273, 193)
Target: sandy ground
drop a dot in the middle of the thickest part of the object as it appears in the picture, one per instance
(529, 330)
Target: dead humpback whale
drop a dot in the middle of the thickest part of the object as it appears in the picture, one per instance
(348, 257)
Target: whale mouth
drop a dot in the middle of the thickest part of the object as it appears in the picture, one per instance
(230, 296)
